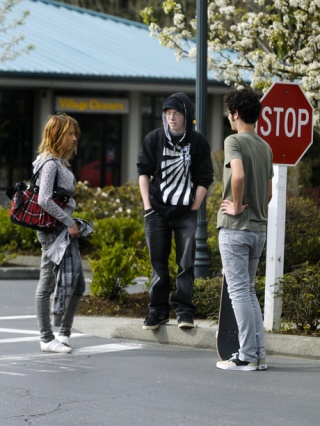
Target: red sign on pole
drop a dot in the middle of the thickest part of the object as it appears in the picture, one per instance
(286, 122)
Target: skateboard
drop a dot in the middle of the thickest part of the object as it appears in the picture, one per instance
(227, 334)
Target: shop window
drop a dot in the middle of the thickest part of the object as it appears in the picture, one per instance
(99, 152)
(16, 134)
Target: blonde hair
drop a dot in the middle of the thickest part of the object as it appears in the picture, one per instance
(54, 133)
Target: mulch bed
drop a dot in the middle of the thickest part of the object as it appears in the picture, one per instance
(133, 306)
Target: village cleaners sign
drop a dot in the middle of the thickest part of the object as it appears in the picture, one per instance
(92, 105)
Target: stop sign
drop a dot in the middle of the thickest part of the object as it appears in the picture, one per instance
(286, 122)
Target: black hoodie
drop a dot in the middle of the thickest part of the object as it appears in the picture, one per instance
(176, 165)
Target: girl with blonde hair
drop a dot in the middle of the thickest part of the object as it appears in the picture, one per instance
(59, 142)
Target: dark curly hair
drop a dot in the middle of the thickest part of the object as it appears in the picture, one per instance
(246, 102)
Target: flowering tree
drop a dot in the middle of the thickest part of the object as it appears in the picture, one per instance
(252, 42)
(9, 39)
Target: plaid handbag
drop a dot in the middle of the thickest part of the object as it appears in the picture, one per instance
(25, 209)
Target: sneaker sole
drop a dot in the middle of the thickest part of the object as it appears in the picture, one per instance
(262, 367)
(185, 325)
(65, 350)
(155, 327)
(236, 368)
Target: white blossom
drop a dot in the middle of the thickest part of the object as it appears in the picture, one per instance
(178, 20)
(12, 44)
(257, 44)
(193, 53)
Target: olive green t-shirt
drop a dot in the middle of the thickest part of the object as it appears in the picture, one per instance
(256, 156)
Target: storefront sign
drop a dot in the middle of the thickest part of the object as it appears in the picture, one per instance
(92, 105)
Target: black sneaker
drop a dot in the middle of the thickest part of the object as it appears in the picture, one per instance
(235, 363)
(185, 321)
(154, 320)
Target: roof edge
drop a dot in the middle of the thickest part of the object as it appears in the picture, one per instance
(93, 13)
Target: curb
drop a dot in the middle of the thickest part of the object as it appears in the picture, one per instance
(19, 273)
(200, 337)
(293, 346)
(205, 338)
(28, 268)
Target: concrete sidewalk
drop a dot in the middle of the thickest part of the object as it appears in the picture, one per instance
(203, 336)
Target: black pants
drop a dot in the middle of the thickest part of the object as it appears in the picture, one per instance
(158, 231)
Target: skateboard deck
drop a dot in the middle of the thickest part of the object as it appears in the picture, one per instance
(227, 334)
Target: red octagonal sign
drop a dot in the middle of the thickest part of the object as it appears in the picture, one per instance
(286, 122)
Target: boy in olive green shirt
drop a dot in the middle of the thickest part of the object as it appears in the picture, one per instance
(242, 224)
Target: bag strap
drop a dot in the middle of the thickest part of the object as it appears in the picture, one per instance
(32, 185)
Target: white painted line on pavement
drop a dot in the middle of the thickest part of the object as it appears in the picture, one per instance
(18, 317)
(20, 339)
(17, 331)
(33, 339)
(12, 374)
(113, 347)
(81, 351)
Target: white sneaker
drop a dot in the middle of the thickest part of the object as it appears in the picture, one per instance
(262, 364)
(64, 340)
(54, 346)
(235, 363)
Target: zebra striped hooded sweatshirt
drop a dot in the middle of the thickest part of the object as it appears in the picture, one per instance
(176, 165)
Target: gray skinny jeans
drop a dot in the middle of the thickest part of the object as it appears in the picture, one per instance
(46, 287)
(240, 252)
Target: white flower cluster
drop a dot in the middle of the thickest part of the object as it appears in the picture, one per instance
(256, 42)
(12, 44)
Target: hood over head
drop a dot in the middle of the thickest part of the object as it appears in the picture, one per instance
(182, 103)
(174, 103)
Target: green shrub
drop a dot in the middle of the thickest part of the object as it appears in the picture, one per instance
(115, 269)
(300, 292)
(16, 239)
(299, 178)
(3, 258)
(207, 294)
(206, 297)
(110, 201)
(302, 241)
(116, 215)
(260, 290)
(214, 253)
(212, 206)
(126, 230)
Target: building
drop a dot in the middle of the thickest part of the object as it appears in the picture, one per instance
(105, 71)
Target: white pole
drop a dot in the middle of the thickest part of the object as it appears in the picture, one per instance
(275, 249)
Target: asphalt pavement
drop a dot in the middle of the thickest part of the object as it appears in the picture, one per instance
(200, 337)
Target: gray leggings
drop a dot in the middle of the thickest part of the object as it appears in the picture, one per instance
(44, 290)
